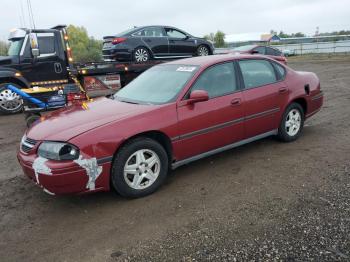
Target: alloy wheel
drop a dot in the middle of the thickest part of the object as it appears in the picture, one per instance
(142, 169)
(293, 122)
(10, 101)
(141, 55)
(203, 51)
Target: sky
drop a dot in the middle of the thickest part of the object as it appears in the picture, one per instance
(106, 17)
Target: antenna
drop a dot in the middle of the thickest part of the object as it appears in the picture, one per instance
(21, 15)
(30, 13)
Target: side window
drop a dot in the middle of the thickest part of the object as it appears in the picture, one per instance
(151, 32)
(46, 43)
(257, 73)
(217, 80)
(260, 50)
(174, 33)
(281, 71)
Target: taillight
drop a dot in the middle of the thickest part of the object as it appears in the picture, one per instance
(118, 40)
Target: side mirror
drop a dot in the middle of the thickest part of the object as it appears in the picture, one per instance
(198, 96)
(186, 37)
(35, 52)
(254, 52)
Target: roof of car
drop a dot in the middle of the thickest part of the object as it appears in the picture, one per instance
(214, 59)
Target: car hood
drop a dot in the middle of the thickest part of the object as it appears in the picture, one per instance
(64, 124)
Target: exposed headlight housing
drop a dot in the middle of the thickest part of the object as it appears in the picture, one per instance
(58, 151)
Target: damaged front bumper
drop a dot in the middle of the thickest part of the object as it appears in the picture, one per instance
(84, 175)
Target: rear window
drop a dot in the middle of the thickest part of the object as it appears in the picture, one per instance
(257, 73)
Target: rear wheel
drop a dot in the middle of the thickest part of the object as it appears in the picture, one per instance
(292, 123)
(202, 50)
(141, 54)
(139, 168)
(10, 102)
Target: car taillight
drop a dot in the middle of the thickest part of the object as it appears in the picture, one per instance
(118, 40)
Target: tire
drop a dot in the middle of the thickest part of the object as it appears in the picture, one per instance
(10, 102)
(141, 54)
(139, 181)
(292, 123)
(202, 50)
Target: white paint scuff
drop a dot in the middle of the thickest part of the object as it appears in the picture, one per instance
(93, 170)
(40, 167)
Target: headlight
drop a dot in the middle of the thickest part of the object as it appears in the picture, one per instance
(58, 151)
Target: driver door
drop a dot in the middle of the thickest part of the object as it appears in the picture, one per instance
(211, 124)
(48, 66)
(180, 44)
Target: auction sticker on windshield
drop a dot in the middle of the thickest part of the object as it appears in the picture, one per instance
(186, 68)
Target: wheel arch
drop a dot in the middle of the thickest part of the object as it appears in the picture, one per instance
(156, 135)
(13, 80)
(207, 46)
(302, 102)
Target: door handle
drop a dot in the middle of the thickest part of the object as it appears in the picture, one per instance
(282, 90)
(236, 102)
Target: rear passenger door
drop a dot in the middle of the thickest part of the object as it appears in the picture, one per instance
(154, 38)
(262, 92)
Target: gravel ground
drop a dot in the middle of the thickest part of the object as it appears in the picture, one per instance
(264, 201)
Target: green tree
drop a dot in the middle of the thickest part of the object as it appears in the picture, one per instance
(283, 35)
(219, 39)
(3, 48)
(210, 37)
(84, 48)
(299, 34)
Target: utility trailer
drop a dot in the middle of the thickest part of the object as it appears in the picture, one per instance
(40, 63)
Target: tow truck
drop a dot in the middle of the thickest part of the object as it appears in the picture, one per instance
(40, 63)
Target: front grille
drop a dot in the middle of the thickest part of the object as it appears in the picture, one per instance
(27, 144)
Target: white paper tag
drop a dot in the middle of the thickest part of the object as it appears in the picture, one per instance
(186, 69)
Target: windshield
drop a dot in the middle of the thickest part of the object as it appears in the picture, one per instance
(15, 47)
(159, 85)
(244, 48)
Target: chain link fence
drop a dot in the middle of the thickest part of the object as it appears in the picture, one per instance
(342, 46)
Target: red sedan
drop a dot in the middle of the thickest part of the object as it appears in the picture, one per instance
(170, 115)
(261, 50)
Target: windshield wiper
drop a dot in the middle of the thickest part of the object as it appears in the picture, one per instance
(126, 101)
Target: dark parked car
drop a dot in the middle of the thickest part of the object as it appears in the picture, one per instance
(141, 44)
(262, 50)
(170, 115)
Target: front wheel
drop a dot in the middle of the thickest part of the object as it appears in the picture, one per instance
(202, 50)
(141, 54)
(292, 123)
(10, 102)
(139, 168)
